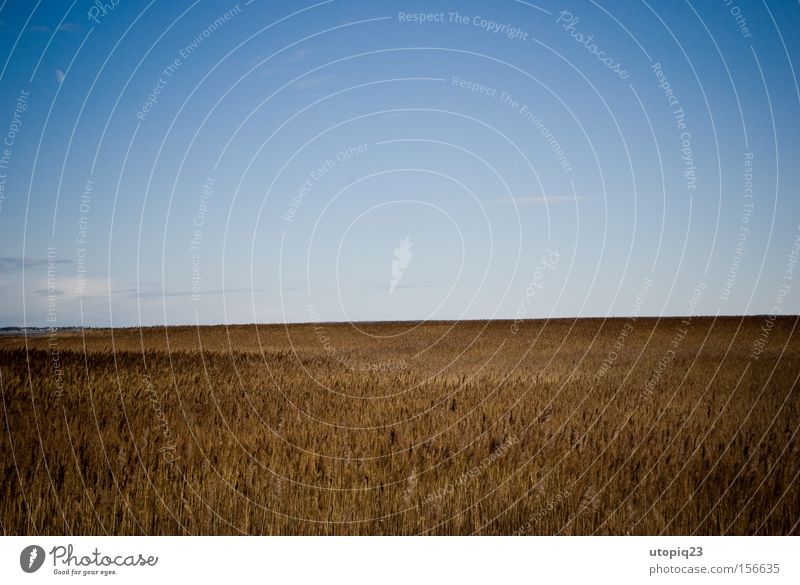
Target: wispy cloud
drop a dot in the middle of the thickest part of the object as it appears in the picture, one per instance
(299, 55)
(12, 263)
(44, 292)
(313, 81)
(377, 285)
(400, 261)
(294, 57)
(64, 27)
(153, 293)
(543, 199)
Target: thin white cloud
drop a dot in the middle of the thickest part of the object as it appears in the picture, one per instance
(12, 263)
(377, 285)
(543, 199)
(313, 81)
(299, 55)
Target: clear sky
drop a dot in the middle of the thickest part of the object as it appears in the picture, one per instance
(182, 162)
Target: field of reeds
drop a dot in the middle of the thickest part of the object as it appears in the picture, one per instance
(567, 426)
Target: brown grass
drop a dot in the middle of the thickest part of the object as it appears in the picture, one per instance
(441, 428)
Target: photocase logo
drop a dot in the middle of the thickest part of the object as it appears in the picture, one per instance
(31, 558)
(402, 258)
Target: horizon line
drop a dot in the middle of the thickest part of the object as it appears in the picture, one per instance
(399, 321)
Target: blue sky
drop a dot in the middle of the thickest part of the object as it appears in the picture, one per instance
(529, 153)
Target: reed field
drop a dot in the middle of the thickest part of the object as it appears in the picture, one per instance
(574, 427)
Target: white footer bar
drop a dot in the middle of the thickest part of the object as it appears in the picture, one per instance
(354, 560)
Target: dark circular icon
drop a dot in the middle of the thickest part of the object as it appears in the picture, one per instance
(31, 558)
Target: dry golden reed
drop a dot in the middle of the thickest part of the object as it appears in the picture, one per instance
(404, 428)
